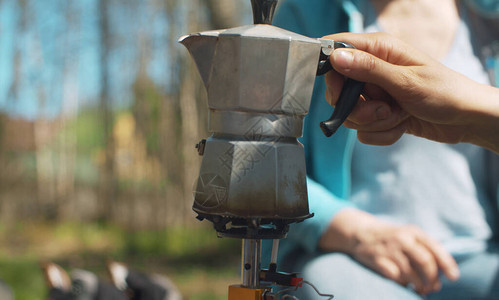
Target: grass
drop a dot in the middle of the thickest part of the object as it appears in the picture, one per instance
(24, 277)
(200, 264)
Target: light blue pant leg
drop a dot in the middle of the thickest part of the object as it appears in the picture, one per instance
(479, 279)
(346, 279)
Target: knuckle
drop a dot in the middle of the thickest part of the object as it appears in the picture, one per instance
(397, 133)
(404, 240)
(425, 260)
(407, 79)
(412, 81)
(389, 272)
(427, 266)
(370, 63)
(413, 229)
(369, 138)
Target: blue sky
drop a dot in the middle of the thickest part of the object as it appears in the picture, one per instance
(46, 46)
(60, 60)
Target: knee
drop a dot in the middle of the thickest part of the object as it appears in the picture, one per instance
(331, 265)
(343, 276)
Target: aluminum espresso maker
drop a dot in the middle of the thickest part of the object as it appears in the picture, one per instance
(252, 182)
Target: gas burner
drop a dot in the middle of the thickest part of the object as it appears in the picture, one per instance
(253, 228)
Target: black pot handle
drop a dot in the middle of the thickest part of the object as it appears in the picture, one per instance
(349, 94)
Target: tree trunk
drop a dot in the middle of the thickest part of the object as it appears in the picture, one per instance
(170, 123)
(222, 13)
(189, 113)
(107, 190)
(70, 93)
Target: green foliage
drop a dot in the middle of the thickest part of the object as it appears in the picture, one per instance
(25, 278)
(88, 236)
(178, 242)
(147, 110)
(208, 296)
(90, 137)
(89, 130)
(201, 264)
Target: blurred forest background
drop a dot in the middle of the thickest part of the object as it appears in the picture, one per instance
(100, 109)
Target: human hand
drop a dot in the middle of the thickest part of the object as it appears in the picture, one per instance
(404, 254)
(409, 92)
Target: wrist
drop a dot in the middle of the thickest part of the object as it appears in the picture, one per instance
(484, 119)
(345, 231)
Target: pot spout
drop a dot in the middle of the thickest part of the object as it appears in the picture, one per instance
(202, 46)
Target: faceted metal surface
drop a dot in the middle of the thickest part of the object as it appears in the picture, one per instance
(259, 68)
(259, 80)
(250, 179)
(249, 125)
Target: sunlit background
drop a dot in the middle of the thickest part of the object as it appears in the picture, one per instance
(100, 109)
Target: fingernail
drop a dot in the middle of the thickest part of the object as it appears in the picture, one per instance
(343, 59)
(383, 112)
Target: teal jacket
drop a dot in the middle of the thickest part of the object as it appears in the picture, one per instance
(329, 159)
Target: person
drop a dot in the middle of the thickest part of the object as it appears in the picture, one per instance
(412, 220)
(420, 96)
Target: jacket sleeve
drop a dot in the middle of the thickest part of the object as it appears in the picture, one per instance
(313, 18)
(324, 205)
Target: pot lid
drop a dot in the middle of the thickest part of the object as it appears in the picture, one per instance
(260, 31)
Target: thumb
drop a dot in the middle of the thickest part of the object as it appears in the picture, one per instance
(362, 66)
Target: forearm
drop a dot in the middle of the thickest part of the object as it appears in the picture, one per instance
(484, 117)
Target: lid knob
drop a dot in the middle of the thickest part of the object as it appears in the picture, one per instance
(263, 11)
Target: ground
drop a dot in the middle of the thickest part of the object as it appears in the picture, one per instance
(200, 264)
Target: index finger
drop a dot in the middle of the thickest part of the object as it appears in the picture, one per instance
(383, 46)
